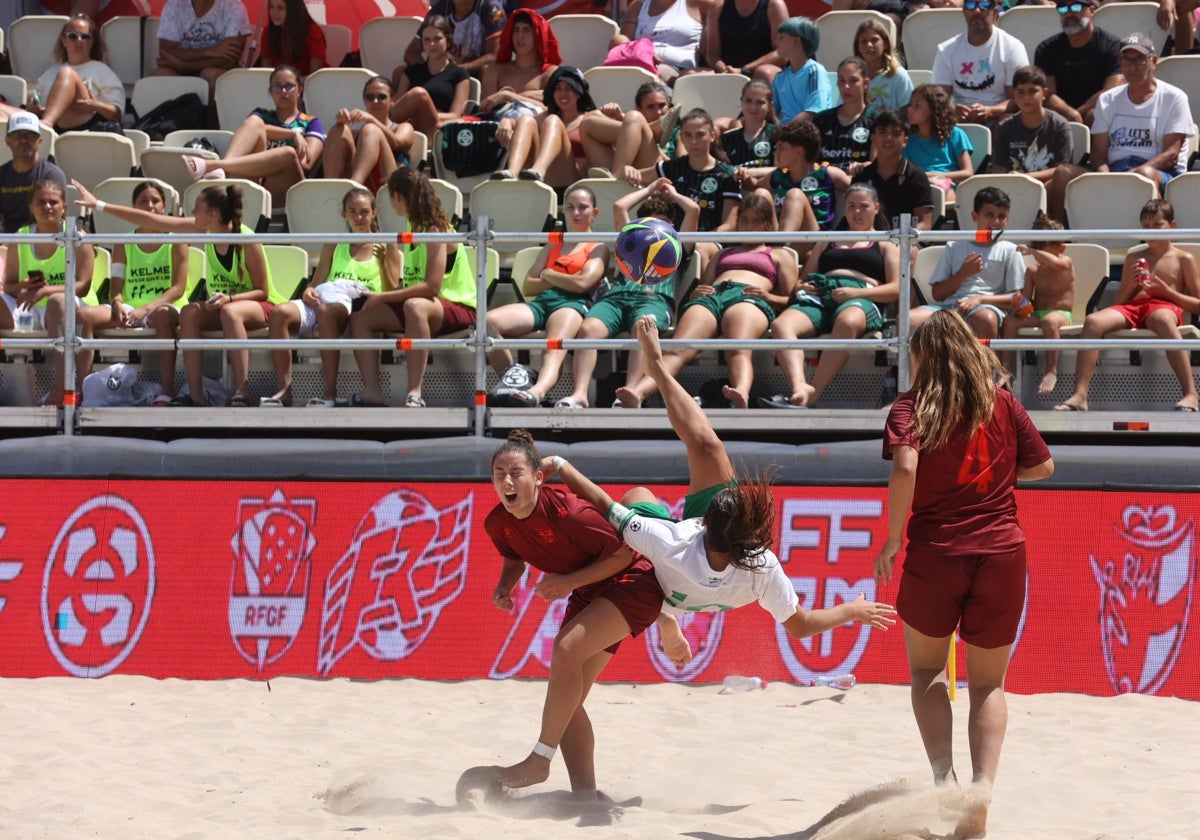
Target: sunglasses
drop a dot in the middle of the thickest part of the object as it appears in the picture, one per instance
(1073, 8)
(79, 36)
(283, 87)
(980, 5)
(375, 97)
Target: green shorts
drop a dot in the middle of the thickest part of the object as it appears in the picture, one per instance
(729, 294)
(823, 317)
(1042, 313)
(551, 301)
(627, 302)
(694, 504)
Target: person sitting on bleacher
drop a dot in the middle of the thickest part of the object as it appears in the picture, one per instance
(81, 92)
(36, 279)
(343, 273)
(17, 177)
(276, 147)
(292, 37)
(1152, 301)
(843, 286)
(548, 147)
(238, 282)
(738, 296)
(365, 144)
(512, 85)
(627, 142)
(201, 38)
(148, 283)
(675, 27)
(436, 296)
(432, 92)
(476, 26)
(745, 44)
(558, 289)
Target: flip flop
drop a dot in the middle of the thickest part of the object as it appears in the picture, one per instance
(238, 401)
(1069, 407)
(317, 402)
(1189, 409)
(413, 401)
(780, 401)
(161, 400)
(568, 404)
(183, 401)
(271, 402)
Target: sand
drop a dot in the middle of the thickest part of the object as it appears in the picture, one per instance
(132, 757)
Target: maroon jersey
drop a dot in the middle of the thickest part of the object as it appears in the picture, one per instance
(563, 534)
(964, 501)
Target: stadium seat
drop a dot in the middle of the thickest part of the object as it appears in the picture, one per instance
(329, 90)
(15, 90)
(837, 33)
(1081, 141)
(918, 77)
(240, 91)
(1183, 71)
(152, 91)
(447, 193)
(617, 84)
(922, 270)
(94, 156)
(1091, 272)
(382, 41)
(981, 145)
(1030, 25)
(315, 206)
(1183, 191)
(256, 200)
(583, 39)
(718, 93)
(1028, 197)
(165, 163)
(338, 41)
(1108, 201)
(131, 53)
(289, 269)
(120, 191)
(924, 29)
(31, 44)
(1123, 18)
(514, 207)
(220, 139)
(607, 191)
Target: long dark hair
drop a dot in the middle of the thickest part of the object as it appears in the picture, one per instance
(739, 523)
(294, 32)
(425, 211)
(227, 201)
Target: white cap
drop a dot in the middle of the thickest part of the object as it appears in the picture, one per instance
(24, 121)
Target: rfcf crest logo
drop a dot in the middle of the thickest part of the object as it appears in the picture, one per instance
(406, 563)
(98, 587)
(1146, 598)
(271, 552)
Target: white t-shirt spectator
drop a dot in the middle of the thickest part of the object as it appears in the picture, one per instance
(979, 75)
(104, 83)
(226, 19)
(1137, 131)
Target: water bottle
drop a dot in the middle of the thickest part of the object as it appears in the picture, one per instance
(842, 682)
(1022, 305)
(24, 319)
(734, 684)
(1141, 270)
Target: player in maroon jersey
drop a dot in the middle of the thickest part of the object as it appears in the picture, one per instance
(958, 445)
(613, 596)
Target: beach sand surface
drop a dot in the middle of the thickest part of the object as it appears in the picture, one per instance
(133, 757)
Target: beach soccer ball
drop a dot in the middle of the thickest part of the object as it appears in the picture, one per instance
(648, 251)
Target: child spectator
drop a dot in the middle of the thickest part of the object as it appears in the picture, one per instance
(802, 85)
(846, 129)
(751, 146)
(1034, 140)
(888, 85)
(1050, 285)
(626, 302)
(803, 189)
(292, 37)
(936, 143)
(1155, 301)
(903, 186)
(978, 279)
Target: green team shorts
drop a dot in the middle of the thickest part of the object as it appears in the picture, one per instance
(552, 300)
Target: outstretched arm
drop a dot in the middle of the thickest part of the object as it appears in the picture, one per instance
(577, 483)
(805, 623)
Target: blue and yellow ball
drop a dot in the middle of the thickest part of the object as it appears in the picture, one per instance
(648, 251)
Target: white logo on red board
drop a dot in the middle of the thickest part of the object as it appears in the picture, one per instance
(534, 629)
(406, 562)
(98, 586)
(1146, 597)
(271, 567)
(9, 570)
(703, 631)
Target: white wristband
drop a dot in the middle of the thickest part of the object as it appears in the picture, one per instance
(544, 751)
(558, 461)
(100, 205)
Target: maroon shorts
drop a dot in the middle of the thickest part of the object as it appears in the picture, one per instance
(635, 593)
(1136, 311)
(267, 308)
(455, 316)
(980, 594)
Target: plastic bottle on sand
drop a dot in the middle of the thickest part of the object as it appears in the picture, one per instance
(733, 684)
(842, 682)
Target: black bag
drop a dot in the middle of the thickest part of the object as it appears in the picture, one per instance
(187, 111)
(471, 148)
(201, 142)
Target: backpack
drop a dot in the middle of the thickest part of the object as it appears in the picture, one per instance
(471, 148)
(186, 111)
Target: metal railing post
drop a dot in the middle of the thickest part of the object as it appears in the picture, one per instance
(70, 341)
(481, 236)
(906, 235)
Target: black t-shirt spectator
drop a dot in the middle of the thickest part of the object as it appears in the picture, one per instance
(904, 192)
(440, 85)
(842, 145)
(709, 188)
(1078, 72)
(15, 188)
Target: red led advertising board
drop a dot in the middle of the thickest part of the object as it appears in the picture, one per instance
(220, 580)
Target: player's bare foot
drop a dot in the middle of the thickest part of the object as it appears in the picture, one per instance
(646, 330)
(735, 396)
(626, 398)
(803, 395)
(973, 822)
(1048, 383)
(674, 643)
(532, 771)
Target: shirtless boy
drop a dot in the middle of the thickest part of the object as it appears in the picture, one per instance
(1050, 285)
(1157, 304)
(512, 85)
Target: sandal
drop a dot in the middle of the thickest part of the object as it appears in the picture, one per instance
(238, 401)
(318, 402)
(414, 401)
(569, 404)
(529, 175)
(270, 402)
(779, 401)
(161, 400)
(183, 401)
